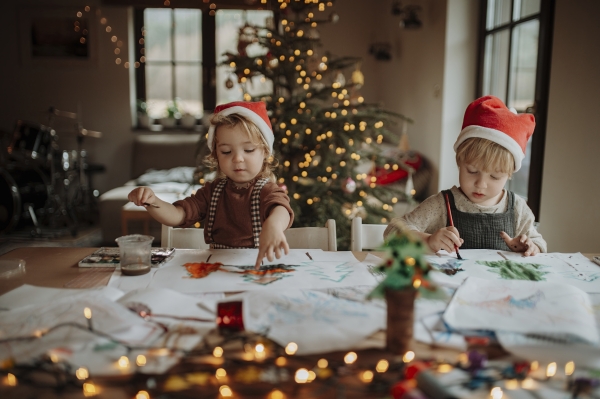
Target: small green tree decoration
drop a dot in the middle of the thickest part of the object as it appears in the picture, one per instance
(406, 273)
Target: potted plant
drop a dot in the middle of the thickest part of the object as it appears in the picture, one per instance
(172, 113)
(406, 274)
(142, 114)
(188, 120)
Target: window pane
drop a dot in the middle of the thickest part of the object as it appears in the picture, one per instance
(189, 88)
(228, 24)
(498, 13)
(525, 8)
(157, 37)
(495, 64)
(158, 89)
(523, 65)
(188, 28)
(520, 180)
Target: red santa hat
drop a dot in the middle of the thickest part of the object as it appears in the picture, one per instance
(255, 112)
(488, 118)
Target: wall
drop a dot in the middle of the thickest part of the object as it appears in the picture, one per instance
(411, 82)
(570, 215)
(460, 70)
(101, 90)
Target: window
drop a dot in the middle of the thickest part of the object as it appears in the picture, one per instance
(514, 62)
(182, 50)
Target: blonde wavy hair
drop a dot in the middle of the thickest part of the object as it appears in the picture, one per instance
(253, 133)
(485, 155)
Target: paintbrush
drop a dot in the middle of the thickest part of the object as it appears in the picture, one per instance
(451, 224)
(152, 205)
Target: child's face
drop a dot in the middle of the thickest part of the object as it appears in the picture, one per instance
(239, 158)
(482, 188)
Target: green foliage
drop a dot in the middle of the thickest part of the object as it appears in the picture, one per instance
(173, 109)
(142, 107)
(326, 134)
(405, 267)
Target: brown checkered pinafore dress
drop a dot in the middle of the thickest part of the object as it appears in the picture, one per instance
(254, 212)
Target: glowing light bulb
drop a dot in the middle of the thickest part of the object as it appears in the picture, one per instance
(444, 368)
(123, 362)
(367, 376)
(225, 391)
(142, 395)
(382, 366)
(140, 360)
(87, 312)
(11, 380)
(408, 357)
(291, 348)
(82, 373)
(301, 376)
(569, 368)
(496, 393)
(322, 363)
(218, 351)
(220, 373)
(350, 357)
(551, 370)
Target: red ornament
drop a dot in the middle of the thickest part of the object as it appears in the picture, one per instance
(230, 317)
(402, 388)
(414, 368)
(386, 176)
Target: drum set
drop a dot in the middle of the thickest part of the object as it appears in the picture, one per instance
(45, 188)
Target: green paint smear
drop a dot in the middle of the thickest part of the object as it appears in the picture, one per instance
(511, 270)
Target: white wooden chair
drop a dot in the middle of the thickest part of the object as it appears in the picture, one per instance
(190, 238)
(324, 238)
(366, 236)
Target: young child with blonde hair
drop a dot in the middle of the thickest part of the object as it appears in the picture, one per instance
(489, 149)
(243, 207)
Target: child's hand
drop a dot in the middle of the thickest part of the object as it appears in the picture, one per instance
(445, 238)
(272, 242)
(142, 196)
(520, 244)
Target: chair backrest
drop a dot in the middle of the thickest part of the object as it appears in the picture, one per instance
(366, 236)
(324, 238)
(191, 238)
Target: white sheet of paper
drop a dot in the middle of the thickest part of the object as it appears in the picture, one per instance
(316, 321)
(307, 275)
(169, 302)
(331, 256)
(572, 269)
(528, 307)
(247, 257)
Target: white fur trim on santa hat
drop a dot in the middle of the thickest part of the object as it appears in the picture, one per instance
(494, 135)
(266, 131)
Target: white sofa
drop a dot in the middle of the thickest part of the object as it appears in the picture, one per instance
(153, 151)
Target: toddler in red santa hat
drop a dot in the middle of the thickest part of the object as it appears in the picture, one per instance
(483, 215)
(243, 207)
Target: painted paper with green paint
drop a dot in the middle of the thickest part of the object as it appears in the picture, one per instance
(511, 270)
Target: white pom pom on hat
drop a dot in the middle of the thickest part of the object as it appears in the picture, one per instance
(488, 118)
(256, 112)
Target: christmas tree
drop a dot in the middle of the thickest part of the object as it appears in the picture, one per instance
(326, 135)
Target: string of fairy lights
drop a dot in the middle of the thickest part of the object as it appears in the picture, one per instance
(256, 355)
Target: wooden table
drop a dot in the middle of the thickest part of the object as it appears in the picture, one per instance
(56, 267)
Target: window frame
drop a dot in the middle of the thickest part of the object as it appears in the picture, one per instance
(209, 45)
(208, 63)
(542, 86)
